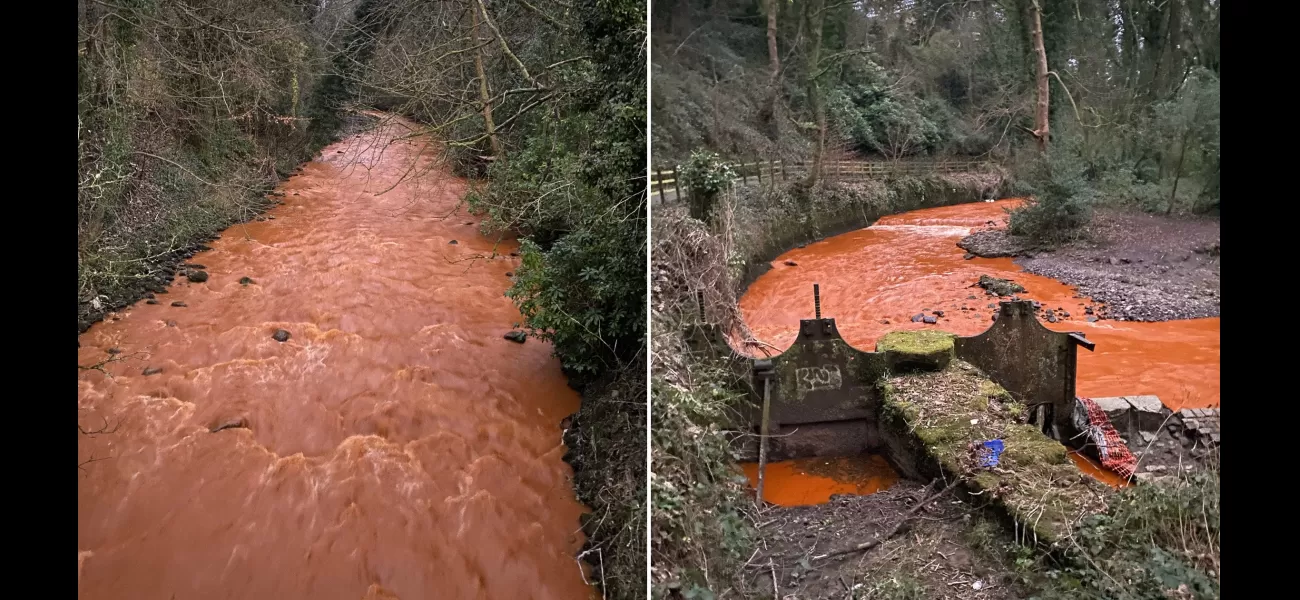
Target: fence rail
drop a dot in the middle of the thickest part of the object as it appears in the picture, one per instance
(664, 182)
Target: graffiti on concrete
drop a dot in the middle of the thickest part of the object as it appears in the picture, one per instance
(811, 379)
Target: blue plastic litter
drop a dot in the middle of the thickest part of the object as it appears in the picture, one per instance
(990, 453)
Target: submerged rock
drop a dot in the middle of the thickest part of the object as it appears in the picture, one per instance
(516, 336)
(179, 304)
(238, 423)
(245, 280)
(197, 276)
(281, 335)
(151, 371)
(930, 320)
(1001, 287)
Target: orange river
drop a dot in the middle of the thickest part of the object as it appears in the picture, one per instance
(874, 279)
(395, 446)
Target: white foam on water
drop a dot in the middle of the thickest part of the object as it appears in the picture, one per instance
(931, 230)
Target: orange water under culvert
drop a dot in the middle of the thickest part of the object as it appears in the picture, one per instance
(909, 263)
(807, 481)
(396, 446)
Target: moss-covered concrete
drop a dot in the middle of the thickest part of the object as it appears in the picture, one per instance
(917, 350)
(932, 424)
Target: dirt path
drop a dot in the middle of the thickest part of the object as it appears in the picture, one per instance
(948, 551)
(1143, 267)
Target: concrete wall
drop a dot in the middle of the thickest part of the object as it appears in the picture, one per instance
(1037, 365)
(824, 395)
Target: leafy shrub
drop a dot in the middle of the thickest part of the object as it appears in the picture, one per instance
(880, 120)
(1061, 197)
(586, 296)
(705, 176)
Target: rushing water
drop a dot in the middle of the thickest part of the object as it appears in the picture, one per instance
(396, 446)
(874, 279)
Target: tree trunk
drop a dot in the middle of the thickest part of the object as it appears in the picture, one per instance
(485, 94)
(1041, 126)
(1178, 170)
(1171, 54)
(770, 112)
(816, 18)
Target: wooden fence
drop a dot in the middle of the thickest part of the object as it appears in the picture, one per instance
(665, 185)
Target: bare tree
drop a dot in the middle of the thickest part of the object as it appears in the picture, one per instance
(816, 15)
(1034, 20)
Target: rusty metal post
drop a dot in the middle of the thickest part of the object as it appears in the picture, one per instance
(817, 300)
(699, 300)
(762, 440)
(763, 371)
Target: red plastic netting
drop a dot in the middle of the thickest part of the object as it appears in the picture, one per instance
(1114, 454)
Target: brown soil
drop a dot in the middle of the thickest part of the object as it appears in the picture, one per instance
(1143, 267)
(941, 550)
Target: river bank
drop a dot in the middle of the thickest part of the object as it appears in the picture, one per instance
(1143, 267)
(149, 274)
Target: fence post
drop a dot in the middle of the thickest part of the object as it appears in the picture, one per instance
(758, 166)
(661, 185)
(677, 185)
(744, 179)
(784, 176)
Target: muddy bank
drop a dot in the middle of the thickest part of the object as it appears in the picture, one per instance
(151, 275)
(1143, 267)
(939, 553)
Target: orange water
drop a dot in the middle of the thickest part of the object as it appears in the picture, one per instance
(1102, 474)
(874, 279)
(397, 446)
(909, 263)
(806, 481)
